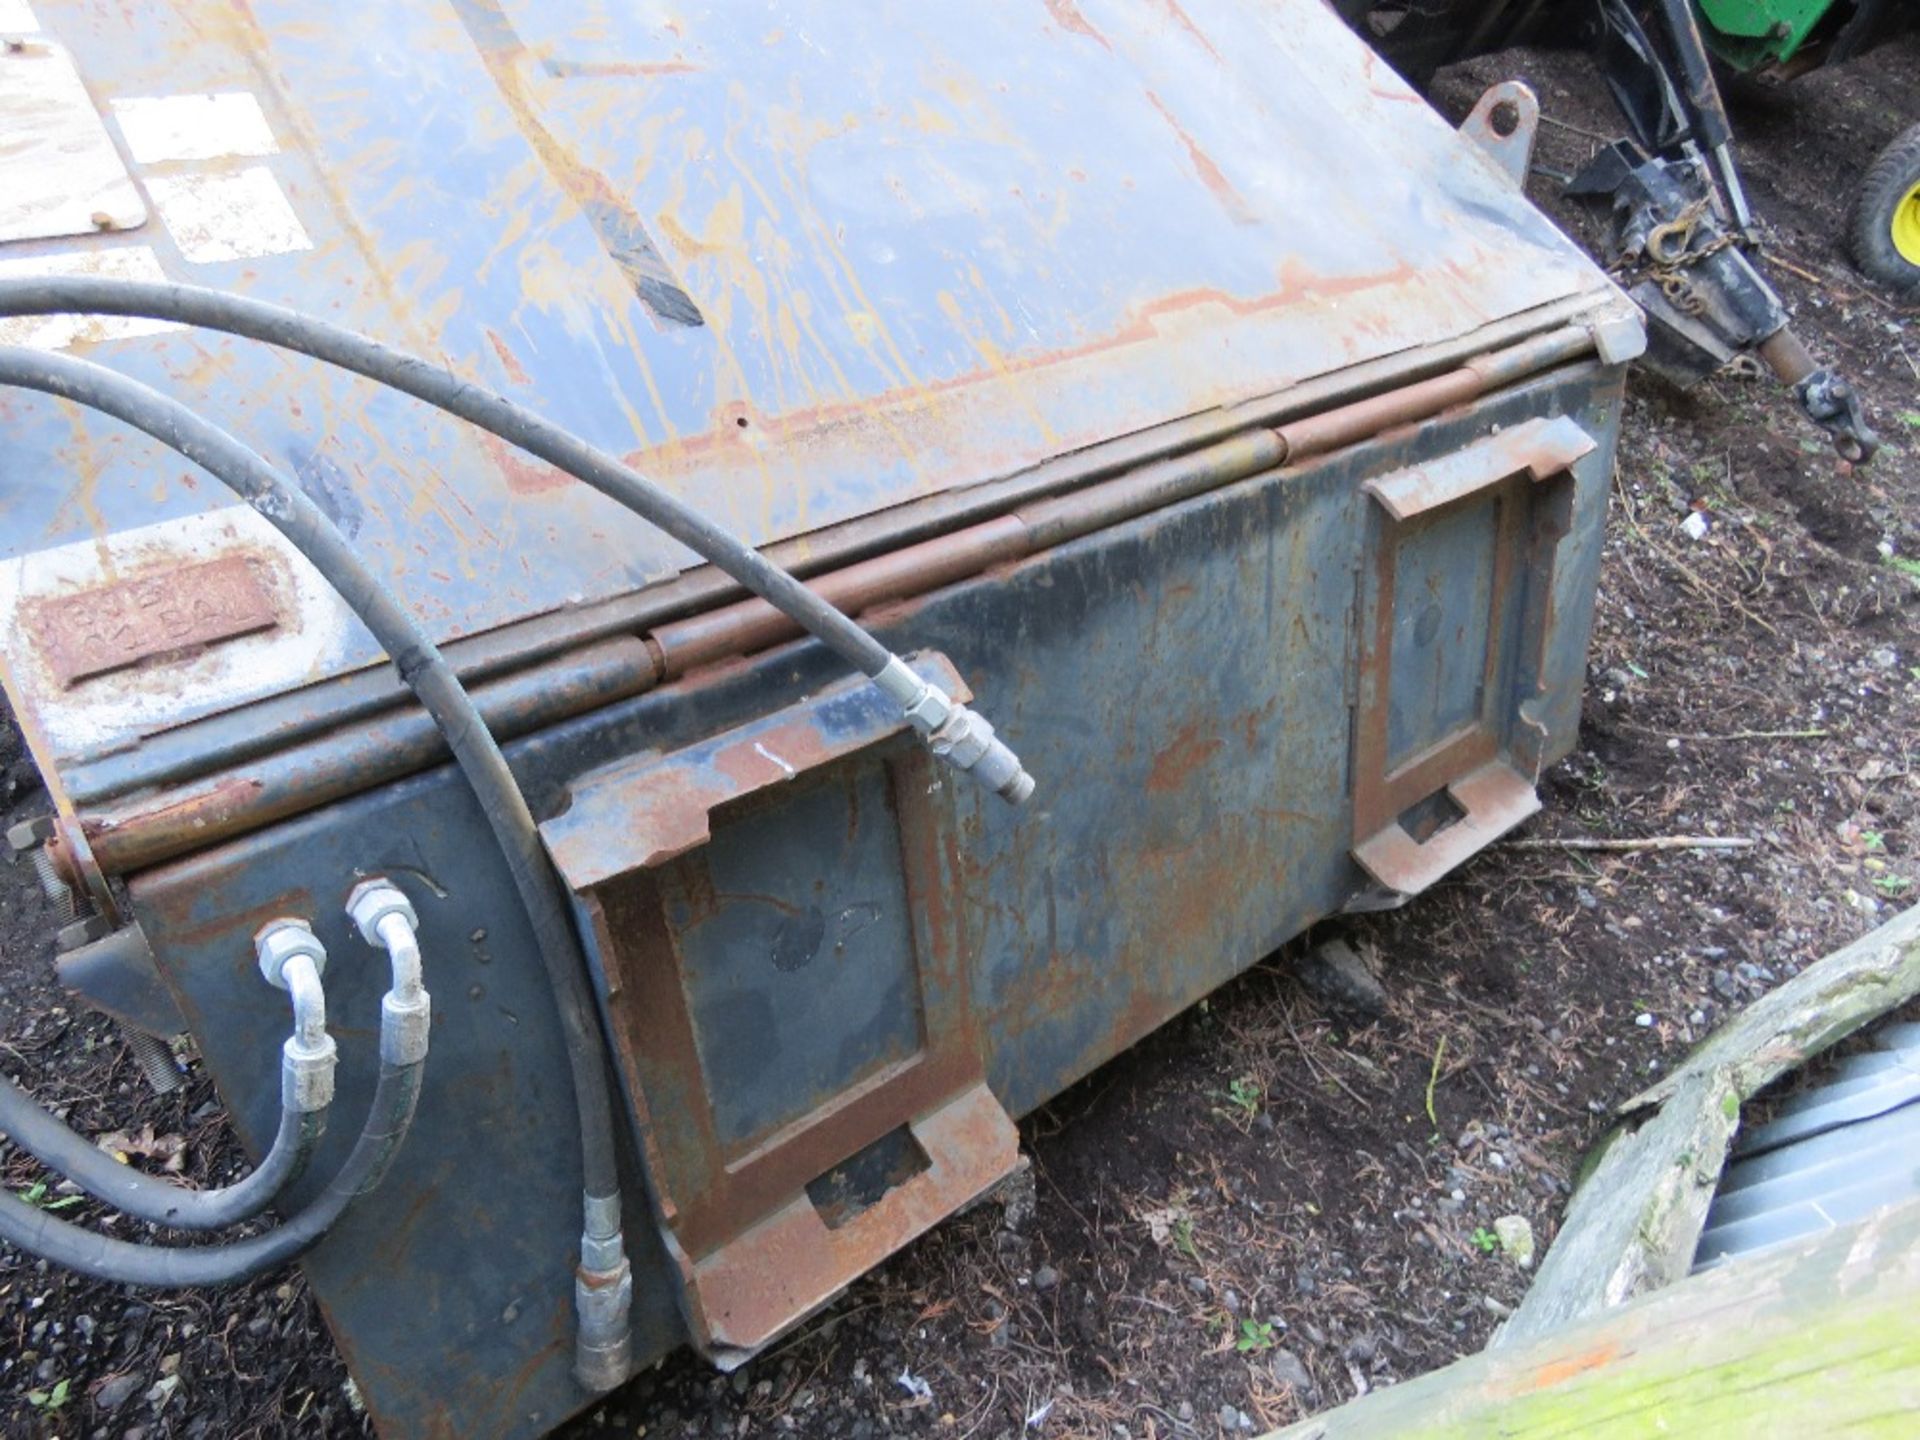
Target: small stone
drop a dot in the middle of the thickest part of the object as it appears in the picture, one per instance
(1515, 1234)
(1197, 1284)
(1725, 986)
(1287, 1369)
(1303, 1282)
(1045, 1278)
(1697, 1019)
(115, 1391)
(1643, 1020)
(1334, 974)
(1229, 1417)
(161, 1391)
(1230, 1302)
(1695, 526)
(1184, 1410)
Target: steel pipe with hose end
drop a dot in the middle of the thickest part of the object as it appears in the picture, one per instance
(419, 664)
(306, 1089)
(284, 957)
(123, 1262)
(955, 732)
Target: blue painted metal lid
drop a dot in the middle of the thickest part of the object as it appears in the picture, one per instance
(799, 262)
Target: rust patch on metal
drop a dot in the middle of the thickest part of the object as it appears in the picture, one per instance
(1188, 752)
(524, 475)
(1210, 174)
(1068, 17)
(110, 627)
(510, 362)
(1180, 17)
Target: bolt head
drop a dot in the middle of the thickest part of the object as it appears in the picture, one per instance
(278, 941)
(29, 834)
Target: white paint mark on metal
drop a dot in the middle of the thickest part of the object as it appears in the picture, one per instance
(57, 332)
(311, 631)
(59, 172)
(767, 754)
(241, 216)
(160, 128)
(16, 18)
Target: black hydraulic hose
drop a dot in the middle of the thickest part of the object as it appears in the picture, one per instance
(160, 1202)
(122, 1262)
(953, 731)
(440, 387)
(419, 665)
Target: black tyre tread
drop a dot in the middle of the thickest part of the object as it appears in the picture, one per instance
(1887, 181)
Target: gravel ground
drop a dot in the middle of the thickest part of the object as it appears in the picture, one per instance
(1278, 1201)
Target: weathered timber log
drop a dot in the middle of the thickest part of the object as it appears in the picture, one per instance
(1813, 1339)
(1635, 1218)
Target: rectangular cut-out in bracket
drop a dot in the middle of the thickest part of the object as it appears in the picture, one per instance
(1492, 800)
(784, 975)
(1476, 533)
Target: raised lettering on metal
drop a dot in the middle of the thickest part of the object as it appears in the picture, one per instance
(110, 627)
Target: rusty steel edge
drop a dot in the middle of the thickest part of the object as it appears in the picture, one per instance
(154, 827)
(203, 746)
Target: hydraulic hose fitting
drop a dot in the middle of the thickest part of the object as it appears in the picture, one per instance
(603, 1299)
(386, 919)
(292, 959)
(960, 736)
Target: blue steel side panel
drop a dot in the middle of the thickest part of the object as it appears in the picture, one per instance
(774, 1028)
(1443, 598)
(923, 251)
(1180, 686)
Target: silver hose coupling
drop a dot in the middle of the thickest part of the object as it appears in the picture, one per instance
(603, 1299)
(386, 920)
(292, 959)
(960, 736)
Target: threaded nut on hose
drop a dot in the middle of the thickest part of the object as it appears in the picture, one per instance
(960, 736)
(603, 1347)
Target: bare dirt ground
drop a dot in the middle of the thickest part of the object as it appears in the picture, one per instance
(1268, 1207)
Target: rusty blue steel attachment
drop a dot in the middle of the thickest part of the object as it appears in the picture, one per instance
(1169, 378)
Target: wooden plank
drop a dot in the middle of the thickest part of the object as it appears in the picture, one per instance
(1824, 1003)
(1635, 1219)
(1814, 1339)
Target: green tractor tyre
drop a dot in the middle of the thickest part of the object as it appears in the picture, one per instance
(1883, 231)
